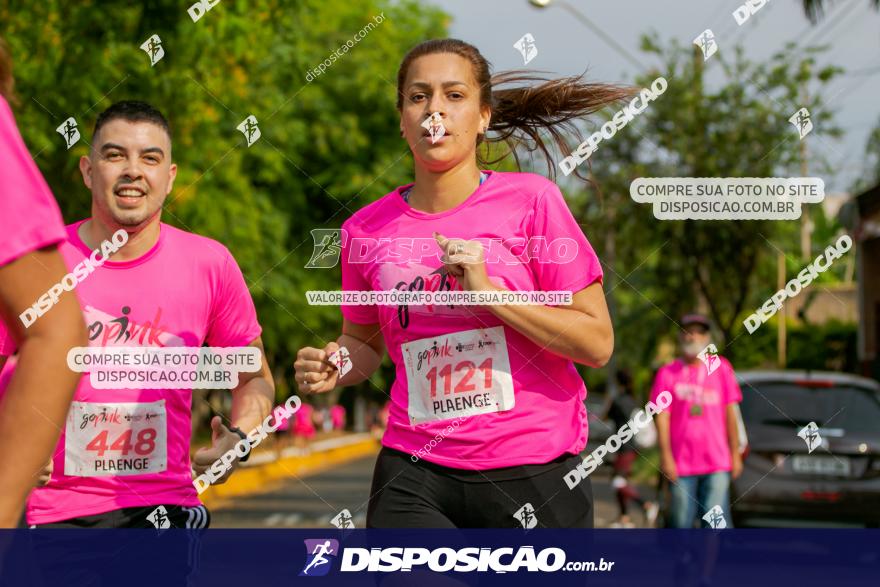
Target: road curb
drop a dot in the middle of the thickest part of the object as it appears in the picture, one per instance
(266, 477)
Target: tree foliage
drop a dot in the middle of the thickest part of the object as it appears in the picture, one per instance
(735, 127)
(328, 146)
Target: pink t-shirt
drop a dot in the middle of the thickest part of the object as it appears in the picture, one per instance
(303, 424)
(697, 414)
(337, 415)
(6, 372)
(29, 216)
(493, 397)
(185, 291)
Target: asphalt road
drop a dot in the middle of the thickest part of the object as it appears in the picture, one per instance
(313, 501)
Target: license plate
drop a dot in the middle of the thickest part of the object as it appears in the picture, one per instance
(821, 465)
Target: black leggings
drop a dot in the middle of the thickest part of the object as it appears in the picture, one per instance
(66, 555)
(407, 494)
(166, 516)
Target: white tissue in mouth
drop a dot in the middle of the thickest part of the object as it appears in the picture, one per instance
(434, 126)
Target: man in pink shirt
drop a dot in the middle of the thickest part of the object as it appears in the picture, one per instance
(123, 458)
(698, 435)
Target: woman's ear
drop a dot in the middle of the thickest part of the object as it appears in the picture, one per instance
(486, 117)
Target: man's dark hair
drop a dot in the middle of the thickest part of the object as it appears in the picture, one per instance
(132, 111)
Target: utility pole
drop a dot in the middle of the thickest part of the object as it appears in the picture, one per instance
(806, 224)
(609, 284)
(780, 320)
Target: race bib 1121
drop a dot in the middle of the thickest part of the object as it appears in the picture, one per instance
(458, 374)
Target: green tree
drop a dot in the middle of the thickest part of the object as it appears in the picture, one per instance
(815, 9)
(735, 127)
(328, 146)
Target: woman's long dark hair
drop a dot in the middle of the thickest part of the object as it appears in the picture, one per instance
(520, 115)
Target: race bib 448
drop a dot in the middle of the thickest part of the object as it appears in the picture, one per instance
(458, 374)
(115, 439)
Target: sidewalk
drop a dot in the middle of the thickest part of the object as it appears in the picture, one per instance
(265, 470)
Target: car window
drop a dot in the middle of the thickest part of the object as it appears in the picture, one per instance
(852, 409)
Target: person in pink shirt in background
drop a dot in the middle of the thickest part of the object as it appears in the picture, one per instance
(496, 384)
(337, 415)
(303, 424)
(38, 394)
(698, 434)
(124, 452)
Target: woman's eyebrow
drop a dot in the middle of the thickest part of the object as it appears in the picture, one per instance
(444, 84)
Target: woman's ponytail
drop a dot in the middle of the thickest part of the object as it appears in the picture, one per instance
(524, 115)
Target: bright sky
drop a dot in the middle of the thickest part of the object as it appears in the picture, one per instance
(567, 46)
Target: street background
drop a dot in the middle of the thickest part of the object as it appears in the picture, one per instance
(329, 145)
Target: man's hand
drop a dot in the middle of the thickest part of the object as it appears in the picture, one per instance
(736, 467)
(222, 440)
(45, 474)
(313, 373)
(667, 465)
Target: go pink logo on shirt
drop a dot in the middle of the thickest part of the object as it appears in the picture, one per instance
(109, 330)
(508, 251)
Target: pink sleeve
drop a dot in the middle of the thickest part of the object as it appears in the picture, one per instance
(29, 215)
(233, 316)
(353, 280)
(659, 384)
(566, 261)
(7, 343)
(732, 392)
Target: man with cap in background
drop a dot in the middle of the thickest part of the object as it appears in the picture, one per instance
(697, 433)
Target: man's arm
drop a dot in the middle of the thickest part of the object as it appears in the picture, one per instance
(38, 397)
(733, 440)
(252, 402)
(667, 462)
(253, 398)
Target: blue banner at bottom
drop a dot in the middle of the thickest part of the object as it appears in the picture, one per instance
(171, 558)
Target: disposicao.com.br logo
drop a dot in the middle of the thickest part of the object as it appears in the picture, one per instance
(321, 552)
(319, 556)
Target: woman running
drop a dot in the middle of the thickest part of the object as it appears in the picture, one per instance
(487, 409)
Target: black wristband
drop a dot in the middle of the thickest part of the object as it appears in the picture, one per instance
(238, 431)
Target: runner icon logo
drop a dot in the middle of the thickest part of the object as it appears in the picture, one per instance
(715, 518)
(343, 520)
(706, 43)
(341, 359)
(434, 125)
(709, 357)
(319, 555)
(527, 48)
(69, 131)
(153, 48)
(159, 518)
(810, 434)
(526, 516)
(328, 243)
(801, 121)
(250, 130)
